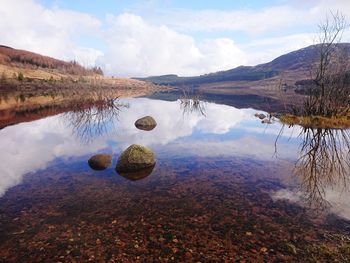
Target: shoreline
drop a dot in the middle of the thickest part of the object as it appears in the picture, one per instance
(22, 105)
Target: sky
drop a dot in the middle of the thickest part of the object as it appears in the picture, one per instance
(137, 38)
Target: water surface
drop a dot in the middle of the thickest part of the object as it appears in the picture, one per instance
(225, 187)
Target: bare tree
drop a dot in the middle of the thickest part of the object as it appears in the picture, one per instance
(329, 96)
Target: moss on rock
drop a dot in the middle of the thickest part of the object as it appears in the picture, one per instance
(134, 158)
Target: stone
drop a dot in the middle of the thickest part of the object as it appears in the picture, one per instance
(135, 158)
(100, 161)
(266, 121)
(146, 123)
(261, 116)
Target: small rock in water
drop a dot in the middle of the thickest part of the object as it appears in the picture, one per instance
(146, 123)
(135, 158)
(276, 115)
(261, 116)
(100, 161)
(266, 121)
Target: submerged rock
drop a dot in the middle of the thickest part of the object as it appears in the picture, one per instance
(100, 161)
(135, 158)
(146, 123)
(137, 175)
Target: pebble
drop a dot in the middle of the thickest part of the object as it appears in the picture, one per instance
(263, 250)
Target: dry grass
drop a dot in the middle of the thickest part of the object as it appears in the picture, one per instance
(338, 122)
(11, 72)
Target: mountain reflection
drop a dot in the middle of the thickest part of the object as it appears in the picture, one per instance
(95, 119)
(323, 164)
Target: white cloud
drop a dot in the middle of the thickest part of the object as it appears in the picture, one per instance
(165, 41)
(337, 197)
(278, 18)
(27, 25)
(137, 48)
(156, 46)
(249, 21)
(266, 49)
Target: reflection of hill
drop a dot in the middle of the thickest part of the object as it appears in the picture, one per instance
(11, 117)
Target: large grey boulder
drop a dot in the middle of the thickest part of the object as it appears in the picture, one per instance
(100, 161)
(146, 123)
(134, 158)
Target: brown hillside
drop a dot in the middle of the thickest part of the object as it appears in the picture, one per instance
(30, 60)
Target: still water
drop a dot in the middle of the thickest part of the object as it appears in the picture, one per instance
(225, 187)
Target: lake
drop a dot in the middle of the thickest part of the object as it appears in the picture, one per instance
(225, 187)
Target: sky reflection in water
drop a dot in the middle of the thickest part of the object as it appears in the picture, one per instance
(222, 131)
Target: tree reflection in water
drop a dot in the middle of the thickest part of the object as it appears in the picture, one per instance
(323, 164)
(91, 119)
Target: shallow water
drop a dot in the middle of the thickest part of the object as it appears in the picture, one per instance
(225, 187)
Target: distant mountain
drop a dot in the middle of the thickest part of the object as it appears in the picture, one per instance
(30, 60)
(300, 60)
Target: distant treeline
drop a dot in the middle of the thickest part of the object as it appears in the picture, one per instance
(10, 55)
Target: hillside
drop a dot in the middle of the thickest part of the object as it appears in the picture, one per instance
(30, 81)
(30, 61)
(299, 62)
(273, 86)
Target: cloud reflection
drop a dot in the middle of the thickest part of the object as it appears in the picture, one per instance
(31, 146)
